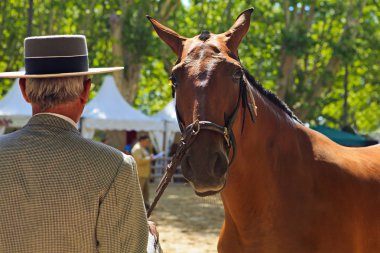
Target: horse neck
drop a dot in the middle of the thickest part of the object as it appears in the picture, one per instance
(274, 135)
(266, 154)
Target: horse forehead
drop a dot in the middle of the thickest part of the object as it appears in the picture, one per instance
(202, 57)
(213, 45)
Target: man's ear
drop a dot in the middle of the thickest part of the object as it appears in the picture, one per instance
(86, 91)
(22, 83)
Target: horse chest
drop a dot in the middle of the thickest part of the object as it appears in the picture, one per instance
(317, 224)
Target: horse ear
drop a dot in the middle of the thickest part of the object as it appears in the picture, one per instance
(170, 37)
(239, 29)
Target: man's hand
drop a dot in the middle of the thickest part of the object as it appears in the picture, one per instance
(153, 229)
(153, 243)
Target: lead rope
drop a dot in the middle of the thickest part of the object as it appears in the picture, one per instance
(187, 140)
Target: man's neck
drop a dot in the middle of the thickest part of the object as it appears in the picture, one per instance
(74, 124)
(69, 110)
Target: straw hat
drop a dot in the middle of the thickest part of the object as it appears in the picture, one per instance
(56, 56)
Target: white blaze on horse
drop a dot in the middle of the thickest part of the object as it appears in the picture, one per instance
(285, 188)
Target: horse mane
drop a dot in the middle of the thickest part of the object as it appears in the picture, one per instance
(270, 95)
(205, 35)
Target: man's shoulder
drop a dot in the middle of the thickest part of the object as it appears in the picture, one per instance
(8, 138)
(87, 152)
(108, 161)
(100, 149)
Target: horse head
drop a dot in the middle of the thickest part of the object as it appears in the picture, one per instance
(206, 81)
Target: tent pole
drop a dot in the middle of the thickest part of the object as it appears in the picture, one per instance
(164, 145)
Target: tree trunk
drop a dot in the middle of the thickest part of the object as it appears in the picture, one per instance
(30, 19)
(227, 13)
(167, 7)
(127, 81)
(289, 59)
(117, 52)
(326, 79)
(288, 64)
(345, 98)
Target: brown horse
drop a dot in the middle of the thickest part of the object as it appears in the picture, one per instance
(288, 188)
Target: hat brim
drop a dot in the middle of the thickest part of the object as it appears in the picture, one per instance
(91, 71)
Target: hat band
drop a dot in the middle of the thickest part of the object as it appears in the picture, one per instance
(56, 65)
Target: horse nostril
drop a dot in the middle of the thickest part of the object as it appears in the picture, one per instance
(210, 167)
(221, 165)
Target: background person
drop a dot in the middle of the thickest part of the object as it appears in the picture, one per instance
(143, 161)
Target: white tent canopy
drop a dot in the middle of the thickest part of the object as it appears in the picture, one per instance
(169, 117)
(109, 111)
(14, 109)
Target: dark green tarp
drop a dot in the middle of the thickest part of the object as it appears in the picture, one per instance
(345, 138)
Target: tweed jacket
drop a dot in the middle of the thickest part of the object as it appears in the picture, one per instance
(63, 193)
(143, 160)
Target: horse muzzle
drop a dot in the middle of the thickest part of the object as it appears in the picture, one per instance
(206, 169)
(207, 191)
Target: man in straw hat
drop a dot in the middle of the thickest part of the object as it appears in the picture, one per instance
(59, 191)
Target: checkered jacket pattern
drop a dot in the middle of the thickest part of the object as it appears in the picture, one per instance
(60, 192)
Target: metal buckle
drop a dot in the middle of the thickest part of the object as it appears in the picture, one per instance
(195, 128)
(227, 137)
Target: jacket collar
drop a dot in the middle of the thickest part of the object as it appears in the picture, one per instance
(51, 120)
(62, 117)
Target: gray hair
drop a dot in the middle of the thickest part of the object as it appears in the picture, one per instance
(50, 92)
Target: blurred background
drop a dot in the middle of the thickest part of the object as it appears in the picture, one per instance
(321, 57)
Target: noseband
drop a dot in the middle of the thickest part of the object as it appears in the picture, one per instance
(246, 96)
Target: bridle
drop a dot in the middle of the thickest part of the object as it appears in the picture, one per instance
(190, 133)
(246, 96)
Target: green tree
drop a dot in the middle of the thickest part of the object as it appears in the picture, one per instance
(299, 50)
(306, 51)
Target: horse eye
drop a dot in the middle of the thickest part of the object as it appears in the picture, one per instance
(173, 80)
(237, 75)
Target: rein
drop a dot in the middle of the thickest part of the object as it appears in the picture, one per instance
(190, 133)
(186, 141)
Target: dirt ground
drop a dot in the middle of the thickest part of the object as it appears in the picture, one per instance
(187, 223)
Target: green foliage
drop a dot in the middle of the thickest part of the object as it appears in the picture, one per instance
(297, 40)
(319, 34)
(155, 90)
